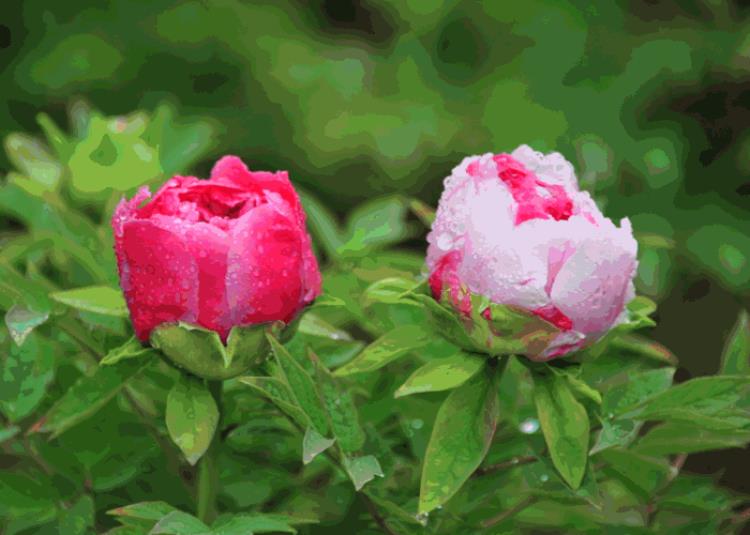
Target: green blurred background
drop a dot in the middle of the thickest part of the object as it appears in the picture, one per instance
(650, 101)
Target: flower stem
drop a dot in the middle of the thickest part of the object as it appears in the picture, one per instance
(208, 474)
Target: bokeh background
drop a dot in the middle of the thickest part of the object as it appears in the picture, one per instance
(358, 99)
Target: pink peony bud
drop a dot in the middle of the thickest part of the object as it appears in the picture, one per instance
(231, 250)
(515, 229)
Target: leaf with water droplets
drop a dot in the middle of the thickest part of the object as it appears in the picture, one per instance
(461, 436)
(362, 470)
(191, 416)
(565, 425)
(21, 320)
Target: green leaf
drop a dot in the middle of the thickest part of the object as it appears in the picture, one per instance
(132, 349)
(643, 347)
(179, 523)
(201, 352)
(280, 395)
(378, 222)
(638, 388)
(313, 444)
(99, 299)
(323, 224)
(674, 437)
(32, 159)
(191, 416)
(461, 437)
(143, 510)
(21, 320)
(442, 374)
(302, 386)
(390, 290)
(643, 474)
(735, 359)
(613, 434)
(702, 396)
(25, 373)
(20, 494)
(580, 386)
(313, 325)
(565, 425)
(79, 519)
(389, 347)
(246, 524)
(339, 405)
(362, 470)
(424, 212)
(87, 396)
(8, 432)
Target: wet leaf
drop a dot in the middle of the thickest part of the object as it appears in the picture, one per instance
(191, 416)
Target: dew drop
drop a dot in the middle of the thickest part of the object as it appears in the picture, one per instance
(445, 241)
(544, 478)
(422, 518)
(417, 423)
(529, 426)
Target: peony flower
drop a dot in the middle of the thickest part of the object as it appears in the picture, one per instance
(516, 230)
(229, 251)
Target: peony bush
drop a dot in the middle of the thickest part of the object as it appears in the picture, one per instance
(194, 361)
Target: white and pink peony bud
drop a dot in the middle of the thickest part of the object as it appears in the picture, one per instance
(516, 230)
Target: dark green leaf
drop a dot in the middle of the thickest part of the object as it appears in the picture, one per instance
(302, 386)
(88, 395)
(246, 524)
(278, 393)
(442, 374)
(79, 519)
(389, 347)
(460, 439)
(565, 425)
(143, 510)
(736, 356)
(342, 413)
(672, 437)
(26, 371)
(192, 416)
(643, 474)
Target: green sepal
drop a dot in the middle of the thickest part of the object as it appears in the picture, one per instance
(201, 352)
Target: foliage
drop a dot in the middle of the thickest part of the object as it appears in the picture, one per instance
(367, 420)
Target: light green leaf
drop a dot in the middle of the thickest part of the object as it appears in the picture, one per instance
(87, 396)
(32, 159)
(442, 374)
(314, 325)
(323, 224)
(378, 222)
(565, 425)
(302, 386)
(643, 474)
(132, 349)
(736, 356)
(461, 437)
(389, 347)
(191, 416)
(8, 432)
(179, 523)
(362, 470)
(613, 434)
(580, 386)
(313, 444)
(99, 299)
(21, 320)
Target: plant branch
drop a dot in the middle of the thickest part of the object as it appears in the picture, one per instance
(508, 513)
(505, 465)
(207, 481)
